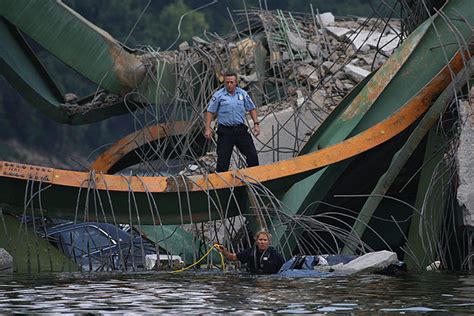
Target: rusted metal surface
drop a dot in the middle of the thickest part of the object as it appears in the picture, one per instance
(128, 69)
(27, 172)
(106, 161)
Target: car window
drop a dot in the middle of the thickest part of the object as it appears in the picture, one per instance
(84, 240)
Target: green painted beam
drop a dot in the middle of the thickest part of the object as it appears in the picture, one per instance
(425, 226)
(380, 97)
(86, 48)
(31, 253)
(407, 71)
(26, 74)
(401, 157)
(177, 241)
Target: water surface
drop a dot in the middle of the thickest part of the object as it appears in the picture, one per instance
(230, 292)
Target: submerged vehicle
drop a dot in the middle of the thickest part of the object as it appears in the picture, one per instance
(101, 246)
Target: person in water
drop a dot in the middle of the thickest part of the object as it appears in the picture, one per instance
(260, 259)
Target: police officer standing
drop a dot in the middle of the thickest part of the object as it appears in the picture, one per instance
(230, 105)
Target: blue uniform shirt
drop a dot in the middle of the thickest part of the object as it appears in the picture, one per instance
(230, 109)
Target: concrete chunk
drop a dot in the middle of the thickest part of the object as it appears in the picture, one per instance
(327, 18)
(356, 73)
(309, 73)
(6, 262)
(297, 43)
(338, 32)
(371, 262)
(465, 161)
(314, 50)
(360, 40)
(386, 43)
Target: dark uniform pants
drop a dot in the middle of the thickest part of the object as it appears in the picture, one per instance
(230, 136)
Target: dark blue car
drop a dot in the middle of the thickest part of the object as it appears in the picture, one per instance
(102, 247)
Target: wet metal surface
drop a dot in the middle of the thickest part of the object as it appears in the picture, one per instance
(206, 292)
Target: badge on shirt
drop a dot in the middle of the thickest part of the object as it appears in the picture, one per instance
(241, 97)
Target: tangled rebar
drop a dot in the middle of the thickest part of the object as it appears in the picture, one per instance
(298, 68)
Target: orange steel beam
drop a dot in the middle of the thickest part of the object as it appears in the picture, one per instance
(372, 137)
(131, 142)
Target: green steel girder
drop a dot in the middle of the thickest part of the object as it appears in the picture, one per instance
(337, 127)
(30, 252)
(399, 160)
(425, 226)
(26, 73)
(411, 67)
(83, 46)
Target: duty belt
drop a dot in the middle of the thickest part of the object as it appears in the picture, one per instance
(232, 127)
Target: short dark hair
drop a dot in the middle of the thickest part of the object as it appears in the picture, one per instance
(231, 73)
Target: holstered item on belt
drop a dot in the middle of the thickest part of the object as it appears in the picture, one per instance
(234, 129)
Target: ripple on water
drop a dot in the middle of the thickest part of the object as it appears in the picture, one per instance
(232, 292)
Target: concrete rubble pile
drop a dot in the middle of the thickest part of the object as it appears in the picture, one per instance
(311, 63)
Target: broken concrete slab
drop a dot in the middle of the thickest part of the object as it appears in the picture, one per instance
(297, 43)
(286, 123)
(326, 19)
(338, 32)
(308, 73)
(6, 262)
(465, 161)
(314, 50)
(356, 73)
(385, 43)
(361, 39)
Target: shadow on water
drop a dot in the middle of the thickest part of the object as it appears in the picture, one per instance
(207, 292)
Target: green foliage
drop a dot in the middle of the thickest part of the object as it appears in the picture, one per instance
(171, 16)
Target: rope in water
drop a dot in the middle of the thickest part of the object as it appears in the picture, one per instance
(215, 247)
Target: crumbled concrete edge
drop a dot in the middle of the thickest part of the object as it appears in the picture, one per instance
(6, 262)
(465, 161)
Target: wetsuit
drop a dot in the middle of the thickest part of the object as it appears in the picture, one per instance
(268, 262)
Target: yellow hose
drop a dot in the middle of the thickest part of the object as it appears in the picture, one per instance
(205, 255)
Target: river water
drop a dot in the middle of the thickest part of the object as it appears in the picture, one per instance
(231, 292)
